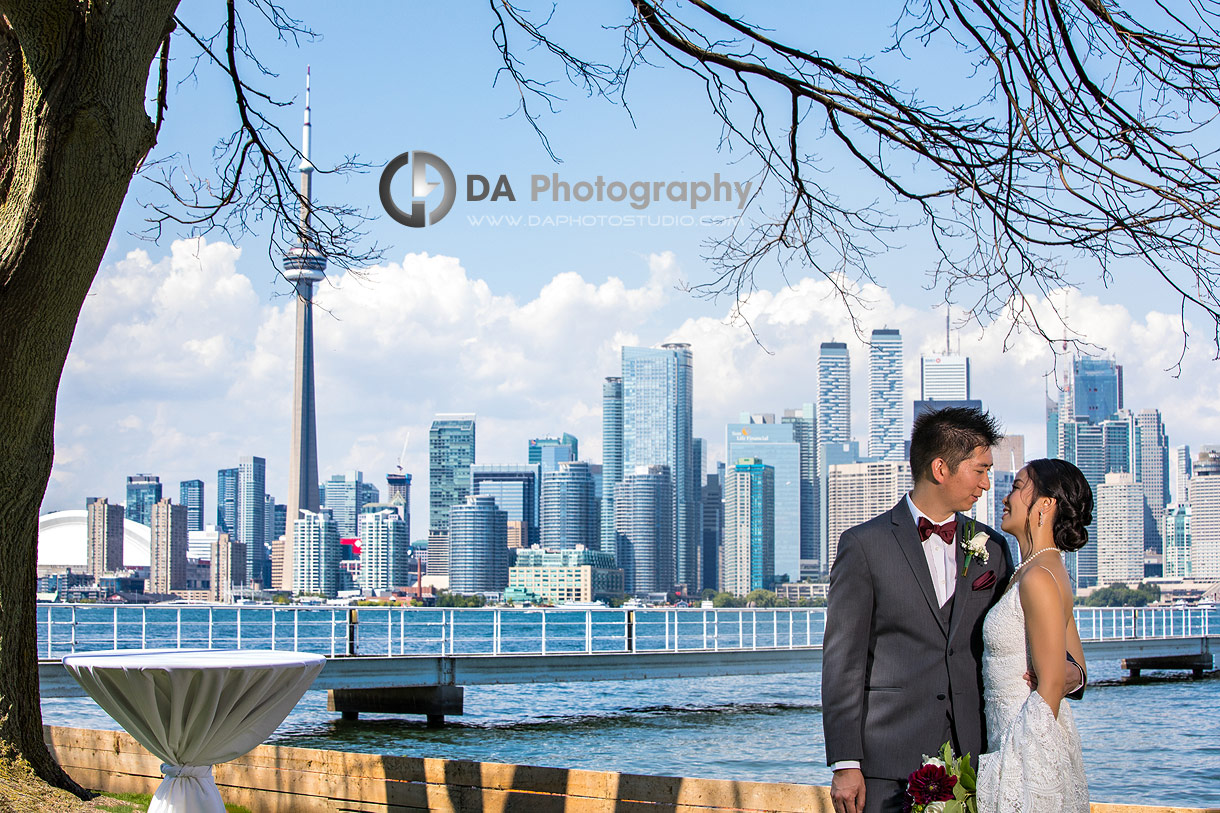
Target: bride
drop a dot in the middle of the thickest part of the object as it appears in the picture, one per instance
(1034, 762)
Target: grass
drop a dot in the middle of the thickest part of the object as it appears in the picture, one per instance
(138, 803)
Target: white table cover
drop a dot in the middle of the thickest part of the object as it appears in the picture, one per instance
(194, 708)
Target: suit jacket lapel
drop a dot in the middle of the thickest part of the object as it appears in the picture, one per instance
(961, 589)
(907, 536)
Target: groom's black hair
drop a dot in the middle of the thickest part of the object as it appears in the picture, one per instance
(952, 434)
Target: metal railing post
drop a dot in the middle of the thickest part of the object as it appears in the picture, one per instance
(589, 631)
(544, 632)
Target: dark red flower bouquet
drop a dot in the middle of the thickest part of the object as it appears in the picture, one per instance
(943, 784)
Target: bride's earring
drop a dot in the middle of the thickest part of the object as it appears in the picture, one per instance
(1041, 520)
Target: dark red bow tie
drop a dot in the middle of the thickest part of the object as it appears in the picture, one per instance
(945, 532)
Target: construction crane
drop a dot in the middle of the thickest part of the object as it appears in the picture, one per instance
(403, 453)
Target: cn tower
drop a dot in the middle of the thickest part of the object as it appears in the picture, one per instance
(304, 265)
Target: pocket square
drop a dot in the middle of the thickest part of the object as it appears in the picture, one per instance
(984, 581)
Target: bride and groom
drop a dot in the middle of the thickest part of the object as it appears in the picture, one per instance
(934, 636)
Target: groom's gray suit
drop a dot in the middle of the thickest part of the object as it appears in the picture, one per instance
(900, 674)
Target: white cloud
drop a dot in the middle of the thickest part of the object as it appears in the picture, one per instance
(178, 369)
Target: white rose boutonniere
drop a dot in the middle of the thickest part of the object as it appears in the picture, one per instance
(975, 545)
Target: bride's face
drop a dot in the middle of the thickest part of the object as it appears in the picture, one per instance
(1017, 503)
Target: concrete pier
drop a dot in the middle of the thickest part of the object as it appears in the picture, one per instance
(434, 702)
(1197, 663)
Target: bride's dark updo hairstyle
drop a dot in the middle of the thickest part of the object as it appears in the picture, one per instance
(1065, 484)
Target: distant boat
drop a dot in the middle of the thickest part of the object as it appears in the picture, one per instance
(583, 605)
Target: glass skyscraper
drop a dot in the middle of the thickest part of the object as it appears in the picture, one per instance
(478, 546)
(644, 528)
(516, 490)
(450, 456)
(834, 393)
(612, 454)
(805, 433)
(1150, 448)
(345, 494)
(569, 508)
(226, 502)
(886, 440)
(252, 518)
(749, 527)
(190, 494)
(657, 407)
(143, 492)
(316, 553)
(550, 452)
(774, 445)
(1096, 390)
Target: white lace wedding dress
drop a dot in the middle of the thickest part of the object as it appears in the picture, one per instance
(1034, 763)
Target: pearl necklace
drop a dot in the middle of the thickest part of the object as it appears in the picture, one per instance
(1030, 558)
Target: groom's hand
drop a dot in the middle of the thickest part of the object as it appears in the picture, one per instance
(1072, 681)
(847, 791)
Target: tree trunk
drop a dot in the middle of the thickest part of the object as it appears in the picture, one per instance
(73, 128)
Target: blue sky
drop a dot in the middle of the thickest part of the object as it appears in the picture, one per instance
(182, 359)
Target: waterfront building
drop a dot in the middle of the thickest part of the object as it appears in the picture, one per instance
(1097, 449)
(344, 495)
(516, 489)
(451, 444)
(316, 554)
(548, 453)
(478, 546)
(1150, 465)
(644, 529)
(1180, 466)
(104, 536)
(304, 266)
(385, 551)
(774, 444)
(857, 492)
(167, 548)
(805, 432)
(569, 508)
(251, 517)
(398, 493)
(886, 439)
(944, 378)
(437, 556)
(749, 526)
(1120, 530)
(612, 454)
(190, 494)
(226, 501)
(143, 492)
(1176, 559)
(657, 415)
(564, 576)
(834, 393)
(712, 503)
(1205, 516)
(228, 567)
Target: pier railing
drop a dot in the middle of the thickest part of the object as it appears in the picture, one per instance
(398, 631)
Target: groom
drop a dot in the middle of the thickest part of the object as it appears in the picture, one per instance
(901, 661)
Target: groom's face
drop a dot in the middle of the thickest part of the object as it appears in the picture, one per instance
(962, 487)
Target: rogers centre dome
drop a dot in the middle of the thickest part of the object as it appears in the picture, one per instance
(63, 540)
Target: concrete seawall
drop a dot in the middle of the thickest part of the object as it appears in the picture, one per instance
(279, 779)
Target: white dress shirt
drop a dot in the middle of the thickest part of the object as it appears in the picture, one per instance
(941, 557)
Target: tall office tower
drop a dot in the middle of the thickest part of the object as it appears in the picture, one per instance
(105, 536)
(1180, 468)
(369, 493)
(550, 452)
(251, 517)
(385, 551)
(1094, 390)
(304, 265)
(516, 489)
(1120, 530)
(834, 393)
(167, 548)
(1009, 453)
(1205, 516)
(569, 508)
(774, 444)
(398, 493)
(749, 527)
(1052, 428)
(713, 530)
(860, 491)
(478, 546)
(279, 522)
(226, 502)
(612, 454)
(886, 440)
(190, 494)
(228, 567)
(657, 407)
(143, 492)
(1097, 449)
(450, 456)
(805, 432)
(1177, 541)
(644, 529)
(316, 554)
(989, 509)
(1150, 450)
(269, 521)
(344, 495)
(944, 378)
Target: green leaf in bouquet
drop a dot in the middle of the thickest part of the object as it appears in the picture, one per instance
(954, 807)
